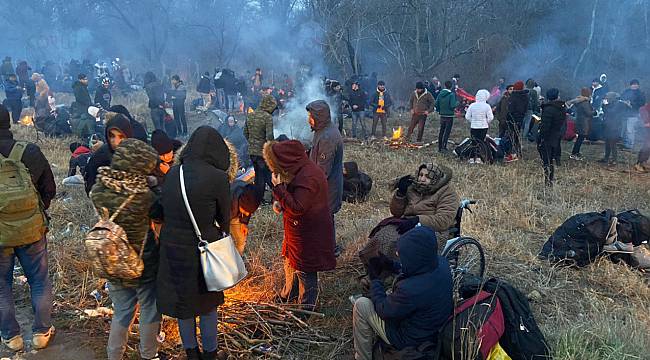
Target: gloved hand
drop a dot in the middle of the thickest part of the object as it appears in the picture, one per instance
(403, 184)
(407, 224)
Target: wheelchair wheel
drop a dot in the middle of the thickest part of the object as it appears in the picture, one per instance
(466, 258)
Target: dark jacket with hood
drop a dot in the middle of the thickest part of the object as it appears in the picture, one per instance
(177, 94)
(636, 98)
(79, 159)
(518, 105)
(358, 98)
(615, 113)
(259, 125)
(446, 103)
(81, 95)
(182, 292)
(38, 166)
(205, 85)
(235, 135)
(104, 155)
(327, 151)
(308, 226)
(139, 132)
(155, 93)
(135, 160)
(103, 97)
(356, 184)
(552, 123)
(584, 114)
(421, 301)
(12, 90)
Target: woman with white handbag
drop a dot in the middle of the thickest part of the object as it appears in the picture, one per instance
(200, 184)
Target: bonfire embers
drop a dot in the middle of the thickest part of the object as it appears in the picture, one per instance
(398, 141)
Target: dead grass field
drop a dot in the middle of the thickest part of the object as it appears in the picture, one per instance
(598, 312)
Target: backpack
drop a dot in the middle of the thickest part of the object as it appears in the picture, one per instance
(22, 220)
(473, 330)
(109, 251)
(579, 240)
(633, 227)
(522, 338)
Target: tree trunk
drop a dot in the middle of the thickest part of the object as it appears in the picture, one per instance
(589, 40)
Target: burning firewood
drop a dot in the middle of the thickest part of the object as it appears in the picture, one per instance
(397, 141)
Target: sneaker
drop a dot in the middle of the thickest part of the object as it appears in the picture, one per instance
(577, 157)
(471, 161)
(16, 343)
(640, 169)
(41, 341)
(619, 247)
(478, 161)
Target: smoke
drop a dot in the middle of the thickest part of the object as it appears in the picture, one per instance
(293, 123)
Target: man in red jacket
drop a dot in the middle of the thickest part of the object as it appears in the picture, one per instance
(300, 187)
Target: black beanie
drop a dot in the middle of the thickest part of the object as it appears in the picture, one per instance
(552, 94)
(74, 146)
(5, 121)
(161, 142)
(419, 85)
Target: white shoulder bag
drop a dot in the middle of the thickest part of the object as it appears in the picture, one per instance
(222, 265)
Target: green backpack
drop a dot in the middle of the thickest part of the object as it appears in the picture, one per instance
(22, 220)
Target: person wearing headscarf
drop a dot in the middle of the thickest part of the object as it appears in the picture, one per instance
(428, 198)
(126, 176)
(300, 188)
(234, 134)
(208, 167)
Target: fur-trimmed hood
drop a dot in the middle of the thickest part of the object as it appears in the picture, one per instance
(285, 158)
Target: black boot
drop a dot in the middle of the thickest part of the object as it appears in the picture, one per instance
(193, 354)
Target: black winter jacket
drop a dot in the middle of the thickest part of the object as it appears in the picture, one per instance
(517, 105)
(358, 98)
(553, 119)
(421, 301)
(156, 94)
(81, 95)
(38, 166)
(103, 97)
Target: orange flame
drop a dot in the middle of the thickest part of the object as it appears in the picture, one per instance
(27, 120)
(397, 134)
(250, 110)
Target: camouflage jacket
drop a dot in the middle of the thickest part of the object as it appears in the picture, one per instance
(259, 126)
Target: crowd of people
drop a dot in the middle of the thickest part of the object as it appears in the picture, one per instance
(137, 177)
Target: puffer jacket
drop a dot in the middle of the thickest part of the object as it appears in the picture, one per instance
(480, 112)
(259, 125)
(308, 228)
(518, 105)
(327, 151)
(435, 205)
(446, 103)
(421, 301)
(421, 103)
(131, 157)
(13, 91)
(553, 119)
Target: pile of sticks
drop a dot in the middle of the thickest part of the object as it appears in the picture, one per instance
(275, 331)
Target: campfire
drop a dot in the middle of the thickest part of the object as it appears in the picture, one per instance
(27, 120)
(397, 141)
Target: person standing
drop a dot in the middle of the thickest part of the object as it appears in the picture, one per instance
(435, 87)
(126, 178)
(181, 289)
(533, 108)
(446, 105)
(14, 94)
(380, 104)
(501, 111)
(644, 153)
(635, 98)
(258, 130)
(480, 116)
(584, 115)
(177, 94)
(421, 104)
(358, 101)
(84, 123)
(517, 108)
(550, 133)
(23, 237)
(156, 97)
(300, 188)
(7, 68)
(327, 152)
(204, 87)
(614, 113)
(103, 95)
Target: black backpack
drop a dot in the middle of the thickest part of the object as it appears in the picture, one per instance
(579, 240)
(522, 338)
(633, 227)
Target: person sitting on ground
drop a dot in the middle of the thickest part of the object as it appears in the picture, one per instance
(419, 305)
(644, 153)
(131, 162)
(428, 199)
(79, 159)
(300, 188)
(356, 184)
(480, 116)
(117, 128)
(550, 133)
(244, 203)
(584, 116)
(139, 132)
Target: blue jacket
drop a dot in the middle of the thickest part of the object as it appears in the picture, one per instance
(11, 90)
(421, 301)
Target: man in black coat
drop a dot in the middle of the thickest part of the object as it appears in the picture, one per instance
(517, 108)
(103, 95)
(358, 100)
(550, 133)
(177, 93)
(33, 256)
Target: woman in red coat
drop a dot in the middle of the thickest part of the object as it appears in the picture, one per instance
(300, 187)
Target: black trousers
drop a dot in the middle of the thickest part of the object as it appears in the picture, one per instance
(644, 153)
(446, 123)
(610, 149)
(179, 115)
(548, 152)
(478, 136)
(578, 144)
(158, 118)
(262, 176)
(16, 107)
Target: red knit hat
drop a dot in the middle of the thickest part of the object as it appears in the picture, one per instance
(519, 85)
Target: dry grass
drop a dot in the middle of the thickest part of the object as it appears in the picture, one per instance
(599, 312)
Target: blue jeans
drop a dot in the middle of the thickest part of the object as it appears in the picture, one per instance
(629, 131)
(208, 325)
(33, 259)
(358, 117)
(125, 300)
(301, 285)
(526, 126)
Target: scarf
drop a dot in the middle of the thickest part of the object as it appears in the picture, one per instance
(122, 181)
